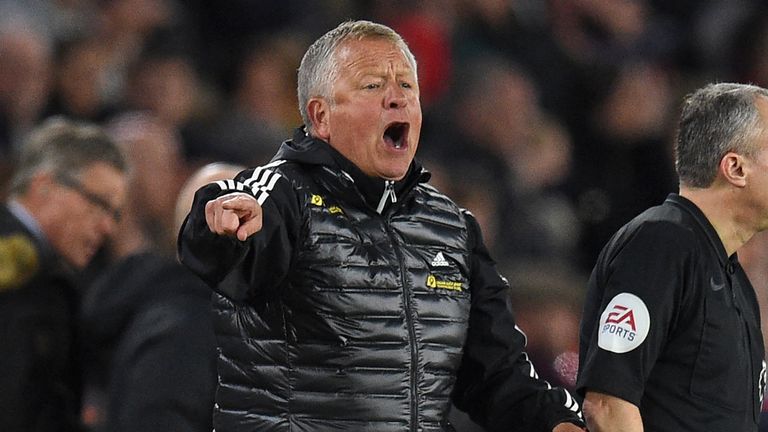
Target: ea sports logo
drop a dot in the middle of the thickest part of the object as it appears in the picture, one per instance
(624, 324)
(622, 315)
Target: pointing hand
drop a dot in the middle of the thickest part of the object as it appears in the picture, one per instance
(235, 214)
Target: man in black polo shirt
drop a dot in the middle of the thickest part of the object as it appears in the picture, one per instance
(670, 337)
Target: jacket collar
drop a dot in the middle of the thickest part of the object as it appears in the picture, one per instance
(376, 192)
(705, 225)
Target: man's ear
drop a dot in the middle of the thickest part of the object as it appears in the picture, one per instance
(318, 111)
(733, 170)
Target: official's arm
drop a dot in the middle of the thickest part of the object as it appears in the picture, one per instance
(606, 413)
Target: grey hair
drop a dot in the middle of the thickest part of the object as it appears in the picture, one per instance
(319, 67)
(64, 148)
(716, 119)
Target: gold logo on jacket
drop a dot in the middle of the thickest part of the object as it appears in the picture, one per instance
(18, 261)
(434, 283)
(320, 202)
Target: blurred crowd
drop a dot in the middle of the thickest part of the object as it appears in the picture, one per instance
(551, 120)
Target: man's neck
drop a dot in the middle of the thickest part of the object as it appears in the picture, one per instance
(724, 213)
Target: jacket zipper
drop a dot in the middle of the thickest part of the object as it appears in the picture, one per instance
(414, 370)
(389, 192)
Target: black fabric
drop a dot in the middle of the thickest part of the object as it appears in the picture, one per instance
(318, 152)
(699, 368)
(149, 346)
(39, 380)
(335, 317)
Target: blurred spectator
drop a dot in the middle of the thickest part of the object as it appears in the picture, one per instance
(520, 156)
(165, 83)
(149, 346)
(624, 153)
(714, 34)
(607, 31)
(56, 20)
(427, 26)
(521, 32)
(246, 132)
(25, 69)
(747, 50)
(157, 171)
(268, 73)
(123, 28)
(65, 199)
(79, 89)
(547, 300)
(226, 29)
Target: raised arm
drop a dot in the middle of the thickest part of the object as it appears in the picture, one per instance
(242, 231)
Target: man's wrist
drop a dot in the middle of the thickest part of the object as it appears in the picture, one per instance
(570, 426)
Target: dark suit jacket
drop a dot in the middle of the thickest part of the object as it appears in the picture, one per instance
(39, 385)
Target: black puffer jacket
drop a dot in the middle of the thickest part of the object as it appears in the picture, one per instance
(342, 316)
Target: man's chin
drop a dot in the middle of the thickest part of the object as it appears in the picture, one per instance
(396, 173)
(80, 262)
(394, 177)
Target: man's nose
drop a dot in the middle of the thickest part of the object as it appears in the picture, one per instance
(395, 97)
(107, 223)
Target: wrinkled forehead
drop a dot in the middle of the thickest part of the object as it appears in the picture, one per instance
(372, 52)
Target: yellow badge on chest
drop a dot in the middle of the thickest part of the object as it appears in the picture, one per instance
(318, 201)
(18, 261)
(434, 283)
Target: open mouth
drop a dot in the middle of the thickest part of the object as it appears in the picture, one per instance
(395, 134)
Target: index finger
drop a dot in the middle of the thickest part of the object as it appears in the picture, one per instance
(241, 204)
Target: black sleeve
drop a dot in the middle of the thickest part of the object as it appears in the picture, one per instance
(634, 293)
(238, 269)
(496, 384)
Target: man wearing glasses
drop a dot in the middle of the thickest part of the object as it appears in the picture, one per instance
(64, 201)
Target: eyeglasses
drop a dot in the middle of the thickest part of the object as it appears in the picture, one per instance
(89, 196)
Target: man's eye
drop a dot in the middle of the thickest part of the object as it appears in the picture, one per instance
(406, 85)
(371, 86)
